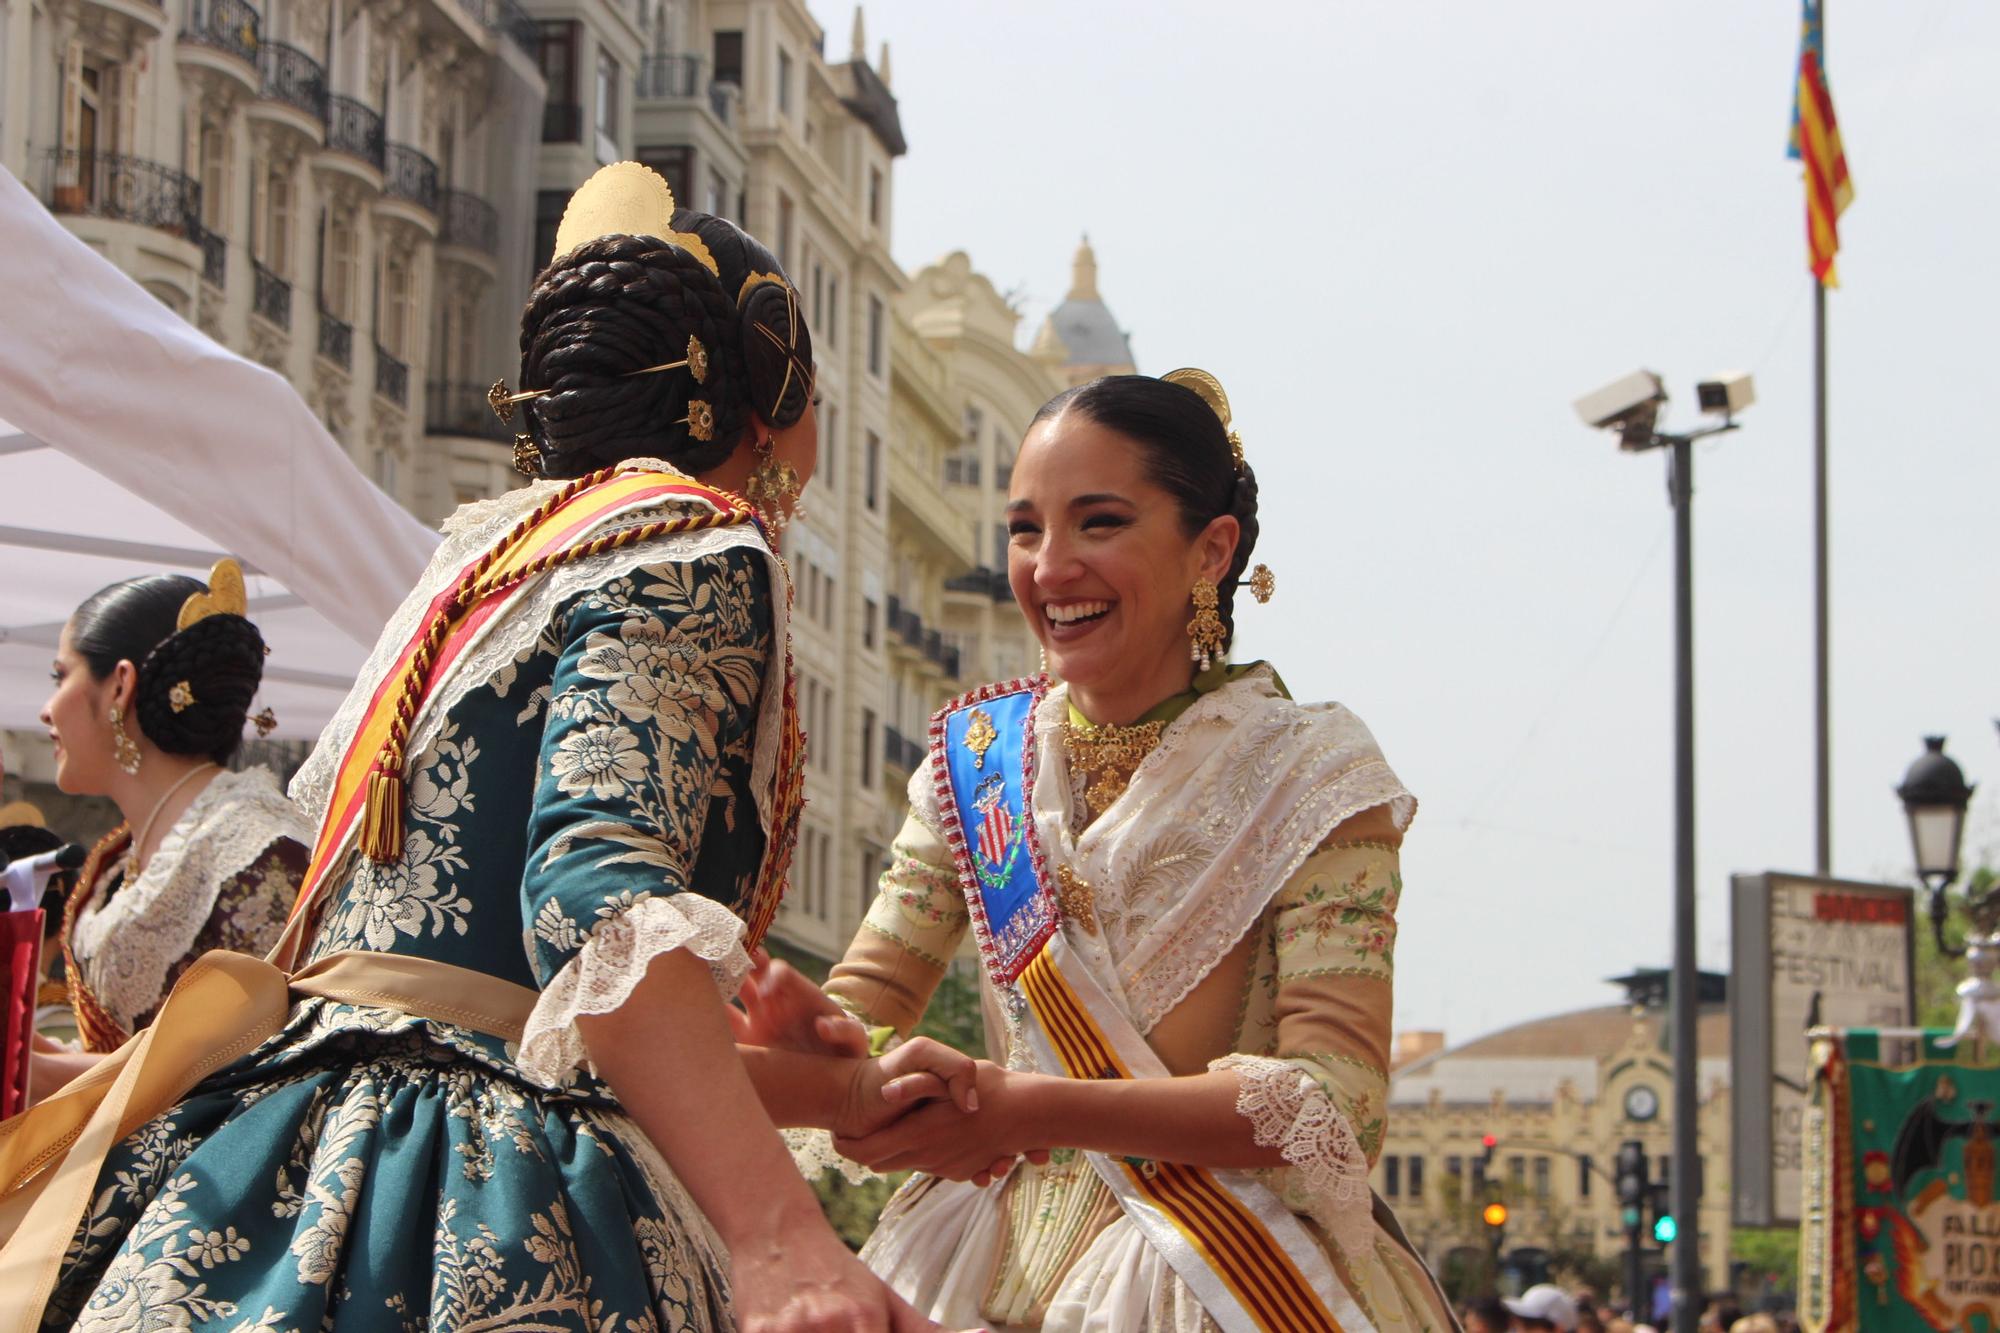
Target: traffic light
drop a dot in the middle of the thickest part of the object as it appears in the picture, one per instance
(1482, 1165)
(1665, 1229)
(1494, 1215)
(1634, 1186)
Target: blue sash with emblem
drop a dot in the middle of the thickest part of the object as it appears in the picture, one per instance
(985, 774)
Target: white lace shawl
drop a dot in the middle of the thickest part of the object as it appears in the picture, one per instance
(620, 949)
(128, 946)
(1241, 789)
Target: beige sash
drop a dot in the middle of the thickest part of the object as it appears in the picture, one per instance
(224, 1006)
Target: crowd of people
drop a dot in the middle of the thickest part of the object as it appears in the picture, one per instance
(1548, 1308)
(472, 1029)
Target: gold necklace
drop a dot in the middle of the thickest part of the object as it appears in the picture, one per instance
(1106, 756)
(145, 829)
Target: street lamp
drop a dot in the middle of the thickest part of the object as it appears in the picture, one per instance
(1935, 795)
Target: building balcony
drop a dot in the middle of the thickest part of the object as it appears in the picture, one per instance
(514, 23)
(122, 27)
(562, 122)
(470, 223)
(392, 377)
(291, 91)
(409, 175)
(900, 753)
(669, 77)
(354, 129)
(221, 40)
(455, 407)
(125, 189)
(336, 341)
(273, 296)
(214, 258)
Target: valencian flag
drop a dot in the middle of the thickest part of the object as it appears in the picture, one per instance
(1816, 144)
(1901, 1217)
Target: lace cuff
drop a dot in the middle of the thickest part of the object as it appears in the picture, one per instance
(814, 1155)
(1328, 1175)
(613, 961)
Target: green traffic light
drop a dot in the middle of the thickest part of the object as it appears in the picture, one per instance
(1664, 1229)
(1631, 1219)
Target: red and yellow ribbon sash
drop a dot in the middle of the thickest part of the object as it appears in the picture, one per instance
(1230, 1238)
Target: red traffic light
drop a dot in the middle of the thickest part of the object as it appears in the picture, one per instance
(1494, 1215)
(1490, 1142)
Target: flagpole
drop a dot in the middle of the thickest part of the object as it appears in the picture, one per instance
(1822, 750)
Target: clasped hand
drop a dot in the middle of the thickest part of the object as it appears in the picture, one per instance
(921, 1106)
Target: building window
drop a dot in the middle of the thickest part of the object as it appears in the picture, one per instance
(1541, 1177)
(1517, 1170)
(393, 310)
(555, 53)
(214, 179)
(1454, 1167)
(828, 471)
(871, 613)
(676, 167)
(718, 195)
(607, 103)
(871, 492)
(832, 312)
(1003, 467)
(1416, 1177)
(549, 206)
(785, 218)
(875, 314)
(784, 82)
(874, 196)
(999, 546)
(867, 748)
(276, 250)
(337, 273)
(1583, 1176)
(729, 58)
(1392, 1177)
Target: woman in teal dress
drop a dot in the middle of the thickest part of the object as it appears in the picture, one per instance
(547, 839)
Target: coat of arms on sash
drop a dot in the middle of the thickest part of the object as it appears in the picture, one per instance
(999, 830)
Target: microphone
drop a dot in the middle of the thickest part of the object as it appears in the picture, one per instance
(26, 878)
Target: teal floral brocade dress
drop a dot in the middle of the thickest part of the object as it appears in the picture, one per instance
(587, 803)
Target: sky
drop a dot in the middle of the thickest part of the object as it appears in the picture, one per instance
(1406, 236)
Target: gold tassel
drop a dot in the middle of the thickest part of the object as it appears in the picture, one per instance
(382, 821)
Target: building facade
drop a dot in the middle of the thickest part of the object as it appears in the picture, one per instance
(1559, 1096)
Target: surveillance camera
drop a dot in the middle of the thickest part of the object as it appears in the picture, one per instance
(1726, 395)
(1629, 406)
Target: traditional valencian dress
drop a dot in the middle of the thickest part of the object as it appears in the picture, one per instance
(603, 767)
(1212, 888)
(224, 877)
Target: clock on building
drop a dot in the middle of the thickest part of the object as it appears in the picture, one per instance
(1641, 1102)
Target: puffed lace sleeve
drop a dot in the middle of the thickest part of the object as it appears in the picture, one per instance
(656, 686)
(1318, 1093)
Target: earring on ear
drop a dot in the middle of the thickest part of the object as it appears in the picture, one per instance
(1206, 636)
(773, 489)
(123, 748)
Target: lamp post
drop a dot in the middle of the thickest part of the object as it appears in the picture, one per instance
(1935, 796)
(1631, 407)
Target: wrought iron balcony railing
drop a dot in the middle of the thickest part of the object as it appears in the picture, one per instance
(336, 341)
(225, 25)
(294, 78)
(214, 258)
(392, 377)
(354, 127)
(124, 189)
(454, 407)
(273, 299)
(669, 76)
(410, 175)
(471, 222)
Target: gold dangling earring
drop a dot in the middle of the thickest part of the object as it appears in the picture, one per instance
(123, 747)
(774, 489)
(1205, 633)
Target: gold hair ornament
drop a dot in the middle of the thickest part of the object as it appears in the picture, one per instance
(789, 344)
(502, 402)
(266, 722)
(626, 199)
(1210, 389)
(1263, 583)
(181, 697)
(224, 596)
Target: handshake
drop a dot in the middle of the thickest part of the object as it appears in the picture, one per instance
(922, 1106)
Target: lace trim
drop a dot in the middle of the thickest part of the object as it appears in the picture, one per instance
(814, 1155)
(126, 947)
(1328, 1175)
(611, 964)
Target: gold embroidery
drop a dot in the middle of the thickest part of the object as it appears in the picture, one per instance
(1106, 757)
(979, 736)
(1079, 904)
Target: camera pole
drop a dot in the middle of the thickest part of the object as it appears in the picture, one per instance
(1685, 1176)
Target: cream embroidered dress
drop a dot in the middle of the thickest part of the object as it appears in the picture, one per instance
(586, 792)
(1230, 877)
(223, 877)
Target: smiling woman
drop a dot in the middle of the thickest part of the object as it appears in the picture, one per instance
(1183, 887)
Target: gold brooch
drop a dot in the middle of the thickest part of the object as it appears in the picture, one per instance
(1074, 894)
(1263, 583)
(700, 419)
(181, 696)
(527, 458)
(979, 736)
(266, 722)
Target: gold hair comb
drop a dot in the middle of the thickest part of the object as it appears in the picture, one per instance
(225, 596)
(1210, 389)
(502, 402)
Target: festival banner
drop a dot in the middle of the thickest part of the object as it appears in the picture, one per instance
(1901, 1227)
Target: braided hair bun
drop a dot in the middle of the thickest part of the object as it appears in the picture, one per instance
(195, 685)
(622, 303)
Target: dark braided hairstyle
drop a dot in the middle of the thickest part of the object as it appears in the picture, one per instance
(220, 659)
(1187, 455)
(620, 303)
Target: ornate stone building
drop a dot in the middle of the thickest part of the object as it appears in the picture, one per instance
(1559, 1095)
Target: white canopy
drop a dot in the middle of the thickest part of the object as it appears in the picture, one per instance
(132, 443)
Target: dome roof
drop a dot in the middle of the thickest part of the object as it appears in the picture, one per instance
(1089, 333)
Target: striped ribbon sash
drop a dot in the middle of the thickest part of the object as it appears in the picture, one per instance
(1247, 1257)
(500, 573)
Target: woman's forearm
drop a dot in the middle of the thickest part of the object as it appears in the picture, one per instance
(1191, 1119)
(669, 1055)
